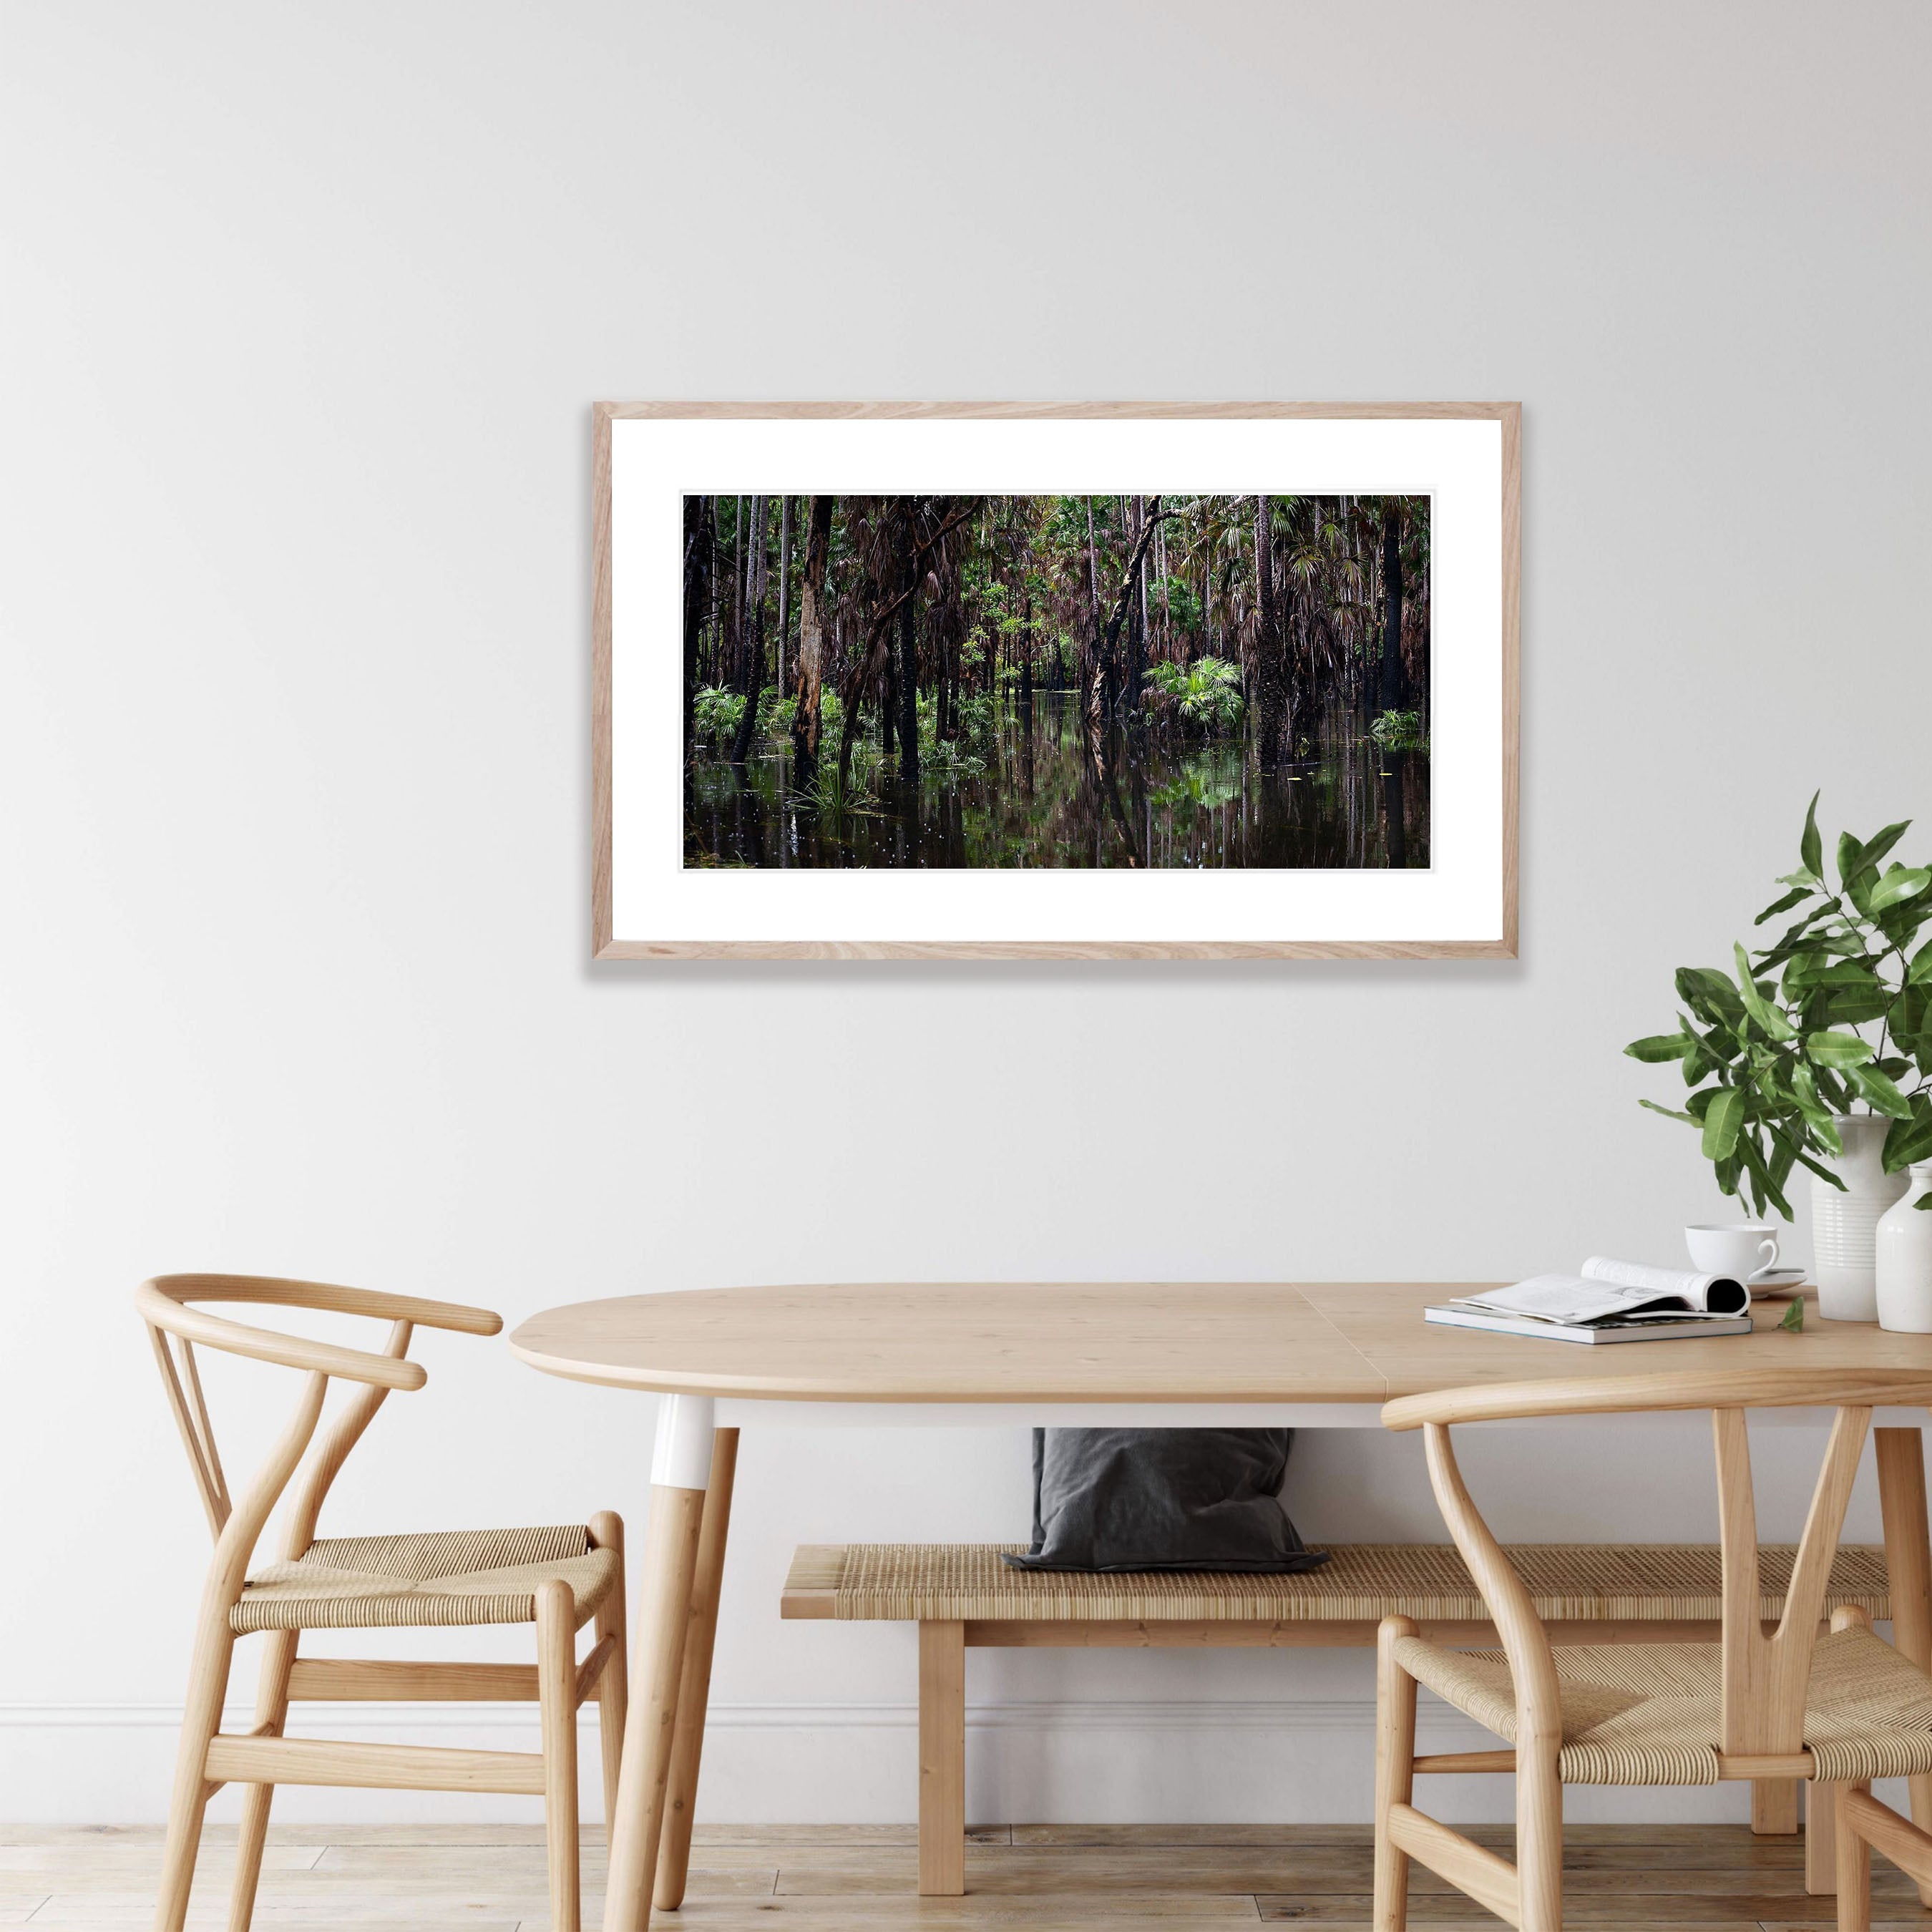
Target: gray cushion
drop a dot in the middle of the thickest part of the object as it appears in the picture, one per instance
(1161, 1499)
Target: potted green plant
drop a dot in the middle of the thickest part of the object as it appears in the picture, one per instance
(1817, 1052)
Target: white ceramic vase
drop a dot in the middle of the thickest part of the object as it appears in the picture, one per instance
(1844, 1223)
(1904, 1258)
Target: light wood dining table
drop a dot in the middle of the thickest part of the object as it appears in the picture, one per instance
(1178, 1354)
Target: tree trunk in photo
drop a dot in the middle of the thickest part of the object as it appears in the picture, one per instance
(1093, 652)
(754, 650)
(805, 728)
(737, 651)
(909, 679)
(1026, 661)
(1137, 616)
(697, 548)
(1357, 679)
(784, 581)
(872, 669)
(1270, 657)
(1104, 655)
(1392, 692)
(1166, 614)
(717, 615)
(941, 659)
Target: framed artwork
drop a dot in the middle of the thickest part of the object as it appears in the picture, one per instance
(1021, 681)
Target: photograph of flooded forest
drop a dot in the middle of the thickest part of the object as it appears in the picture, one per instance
(1057, 681)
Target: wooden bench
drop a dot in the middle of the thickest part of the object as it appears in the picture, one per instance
(962, 1597)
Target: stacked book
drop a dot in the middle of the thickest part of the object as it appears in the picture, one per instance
(1608, 1301)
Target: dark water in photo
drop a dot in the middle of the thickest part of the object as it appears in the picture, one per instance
(1170, 802)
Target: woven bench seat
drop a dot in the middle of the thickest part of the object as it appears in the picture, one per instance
(1663, 1595)
(1361, 1583)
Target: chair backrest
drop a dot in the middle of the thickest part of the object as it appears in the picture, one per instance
(175, 1325)
(1764, 1676)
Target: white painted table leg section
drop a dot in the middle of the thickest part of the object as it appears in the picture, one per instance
(680, 1471)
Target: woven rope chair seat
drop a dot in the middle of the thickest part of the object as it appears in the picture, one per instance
(1649, 1713)
(1362, 1582)
(440, 1578)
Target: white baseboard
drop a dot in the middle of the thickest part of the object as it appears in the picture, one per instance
(1222, 1761)
(1112, 1714)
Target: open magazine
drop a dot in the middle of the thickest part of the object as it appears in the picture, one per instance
(1608, 1300)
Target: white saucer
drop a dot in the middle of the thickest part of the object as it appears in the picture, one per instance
(1773, 1279)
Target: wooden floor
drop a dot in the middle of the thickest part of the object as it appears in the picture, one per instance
(1051, 1878)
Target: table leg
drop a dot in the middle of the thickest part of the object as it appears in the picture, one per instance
(1908, 1561)
(694, 1692)
(680, 1471)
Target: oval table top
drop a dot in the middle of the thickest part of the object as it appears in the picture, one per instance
(1115, 1342)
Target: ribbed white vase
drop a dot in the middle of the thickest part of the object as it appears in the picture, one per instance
(1844, 1224)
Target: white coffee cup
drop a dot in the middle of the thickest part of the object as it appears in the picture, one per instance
(1742, 1249)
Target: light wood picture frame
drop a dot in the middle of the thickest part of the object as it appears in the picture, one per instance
(1296, 529)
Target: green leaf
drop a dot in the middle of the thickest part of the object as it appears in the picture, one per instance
(1823, 1173)
(1910, 1140)
(1853, 1009)
(1794, 1316)
(1798, 964)
(1763, 1186)
(1770, 1020)
(1660, 1046)
(1833, 1092)
(1900, 884)
(1804, 1085)
(1810, 853)
(1782, 1155)
(1790, 899)
(1702, 1061)
(1800, 937)
(1874, 849)
(1882, 1096)
(1799, 1154)
(1920, 970)
(1710, 995)
(1911, 1022)
(1670, 1113)
(1853, 973)
(1848, 859)
(1722, 1120)
(1837, 1049)
(1921, 1049)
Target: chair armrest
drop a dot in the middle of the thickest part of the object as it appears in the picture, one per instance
(332, 1297)
(1758, 1387)
(164, 1302)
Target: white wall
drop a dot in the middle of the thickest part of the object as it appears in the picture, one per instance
(306, 310)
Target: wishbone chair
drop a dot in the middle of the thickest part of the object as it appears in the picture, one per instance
(1786, 1701)
(557, 1579)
